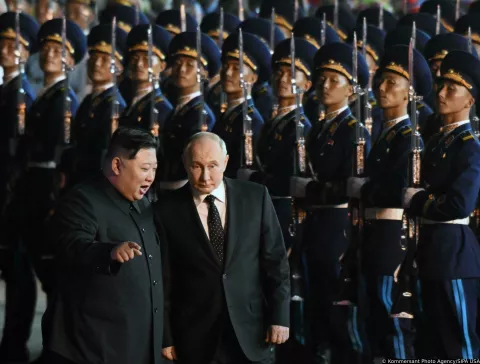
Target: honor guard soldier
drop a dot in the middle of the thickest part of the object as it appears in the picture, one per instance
(97, 115)
(378, 17)
(190, 70)
(330, 152)
(381, 195)
(47, 134)
(338, 17)
(138, 113)
(218, 26)
(423, 21)
(126, 17)
(448, 254)
(314, 31)
(472, 21)
(18, 40)
(401, 36)
(270, 34)
(275, 149)
(374, 50)
(447, 10)
(241, 114)
(286, 14)
(435, 51)
(176, 21)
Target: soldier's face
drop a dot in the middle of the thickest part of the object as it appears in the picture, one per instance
(99, 67)
(184, 72)
(435, 68)
(230, 76)
(138, 66)
(79, 14)
(391, 90)
(452, 97)
(135, 176)
(7, 53)
(282, 81)
(205, 164)
(51, 57)
(45, 11)
(332, 88)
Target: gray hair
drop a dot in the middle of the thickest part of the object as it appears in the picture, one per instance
(207, 135)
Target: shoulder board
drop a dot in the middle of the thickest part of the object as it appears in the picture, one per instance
(352, 122)
(262, 90)
(158, 99)
(407, 131)
(110, 99)
(420, 105)
(467, 136)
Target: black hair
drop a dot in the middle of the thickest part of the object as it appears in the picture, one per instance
(129, 141)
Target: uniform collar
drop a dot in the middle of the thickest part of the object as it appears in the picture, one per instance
(391, 123)
(48, 87)
(285, 110)
(447, 129)
(10, 78)
(333, 114)
(218, 192)
(187, 98)
(102, 89)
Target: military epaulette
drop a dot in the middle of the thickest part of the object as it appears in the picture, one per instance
(262, 90)
(468, 135)
(372, 102)
(407, 131)
(352, 121)
(420, 105)
(158, 99)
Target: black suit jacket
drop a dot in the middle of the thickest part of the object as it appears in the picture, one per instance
(105, 312)
(252, 287)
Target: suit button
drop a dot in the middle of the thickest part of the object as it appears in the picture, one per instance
(224, 276)
(154, 283)
(155, 310)
(150, 256)
(143, 230)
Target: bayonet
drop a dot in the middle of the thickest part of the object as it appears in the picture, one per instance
(475, 121)
(364, 38)
(67, 102)
(367, 108)
(381, 15)
(247, 120)
(203, 113)
(223, 96)
(301, 162)
(439, 20)
(469, 37)
(21, 106)
(241, 12)
(323, 31)
(272, 31)
(457, 10)
(153, 82)
(335, 14)
(113, 70)
(405, 7)
(137, 14)
(183, 18)
(295, 11)
(414, 35)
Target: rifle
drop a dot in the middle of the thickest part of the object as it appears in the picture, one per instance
(21, 104)
(272, 49)
(323, 40)
(67, 101)
(183, 18)
(223, 96)
(381, 14)
(247, 120)
(203, 113)
(457, 10)
(348, 294)
(438, 24)
(153, 120)
(298, 214)
(403, 306)
(241, 11)
(113, 70)
(367, 108)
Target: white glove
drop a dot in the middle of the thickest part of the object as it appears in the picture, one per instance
(298, 186)
(245, 173)
(354, 186)
(408, 194)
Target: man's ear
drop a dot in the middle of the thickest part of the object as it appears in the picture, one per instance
(70, 60)
(116, 165)
(470, 102)
(204, 73)
(226, 162)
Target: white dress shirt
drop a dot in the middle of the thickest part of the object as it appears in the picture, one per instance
(49, 86)
(220, 204)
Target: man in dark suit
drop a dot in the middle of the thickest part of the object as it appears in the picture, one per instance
(109, 303)
(226, 272)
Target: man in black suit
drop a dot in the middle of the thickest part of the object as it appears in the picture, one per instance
(226, 274)
(109, 304)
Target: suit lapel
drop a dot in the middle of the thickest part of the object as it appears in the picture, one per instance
(233, 220)
(193, 219)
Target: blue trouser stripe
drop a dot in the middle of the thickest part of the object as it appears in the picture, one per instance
(351, 323)
(355, 329)
(464, 322)
(389, 308)
(396, 321)
(459, 310)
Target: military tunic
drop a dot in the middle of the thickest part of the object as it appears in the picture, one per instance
(230, 128)
(263, 99)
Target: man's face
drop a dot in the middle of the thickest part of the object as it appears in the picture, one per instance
(135, 176)
(79, 13)
(7, 53)
(138, 66)
(332, 88)
(282, 81)
(45, 10)
(99, 67)
(391, 90)
(184, 72)
(205, 164)
(452, 98)
(230, 76)
(435, 68)
(51, 57)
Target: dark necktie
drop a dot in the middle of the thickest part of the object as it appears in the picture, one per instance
(215, 229)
